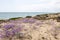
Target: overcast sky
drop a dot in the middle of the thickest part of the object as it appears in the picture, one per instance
(29, 5)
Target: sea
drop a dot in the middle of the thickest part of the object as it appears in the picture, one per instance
(7, 15)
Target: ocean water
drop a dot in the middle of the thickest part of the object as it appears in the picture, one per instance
(7, 15)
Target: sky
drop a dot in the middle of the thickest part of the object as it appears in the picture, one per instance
(29, 5)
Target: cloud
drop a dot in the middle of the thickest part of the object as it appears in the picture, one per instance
(44, 6)
(32, 6)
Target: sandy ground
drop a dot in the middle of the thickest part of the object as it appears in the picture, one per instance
(39, 30)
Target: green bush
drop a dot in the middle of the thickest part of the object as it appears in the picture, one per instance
(28, 16)
(15, 18)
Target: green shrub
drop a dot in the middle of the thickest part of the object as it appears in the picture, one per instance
(28, 16)
(15, 18)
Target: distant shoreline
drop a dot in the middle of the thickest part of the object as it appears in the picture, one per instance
(19, 14)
